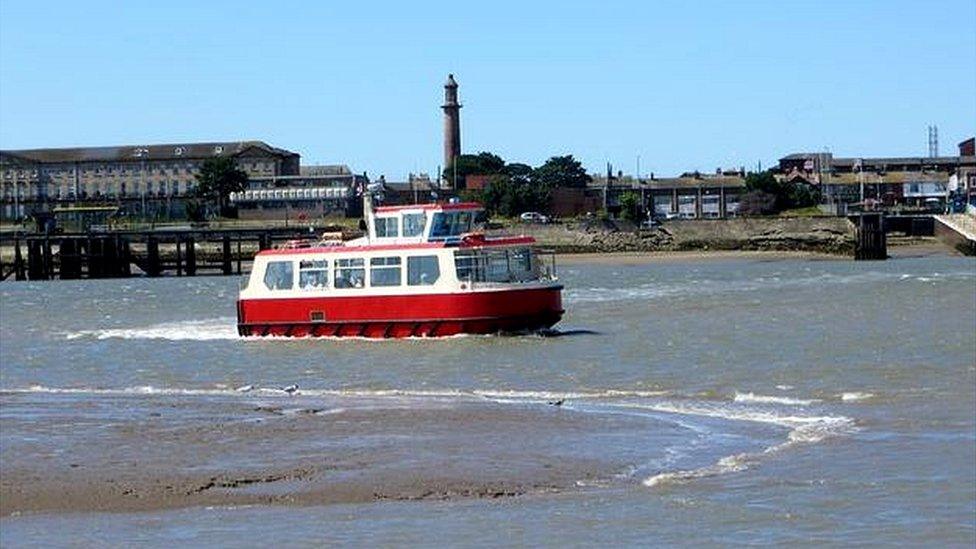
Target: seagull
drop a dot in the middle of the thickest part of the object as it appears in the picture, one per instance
(245, 388)
(557, 402)
(291, 389)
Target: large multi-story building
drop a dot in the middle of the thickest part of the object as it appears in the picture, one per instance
(145, 180)
(317, 191)
(913, 182)
(692, 195)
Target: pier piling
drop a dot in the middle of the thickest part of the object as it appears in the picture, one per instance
(871, 243)
(191, 257)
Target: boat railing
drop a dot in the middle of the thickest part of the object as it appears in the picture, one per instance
(547, 264)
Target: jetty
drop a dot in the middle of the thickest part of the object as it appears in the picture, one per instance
(958, 231)
(152, 253)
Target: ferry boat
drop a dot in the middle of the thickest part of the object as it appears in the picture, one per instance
(419, 271)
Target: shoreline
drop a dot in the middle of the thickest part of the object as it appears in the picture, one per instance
(268, 451)
(677, 256)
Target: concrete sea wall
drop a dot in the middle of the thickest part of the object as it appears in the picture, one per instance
(830, 235)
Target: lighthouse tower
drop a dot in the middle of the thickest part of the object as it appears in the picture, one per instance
(452, 122)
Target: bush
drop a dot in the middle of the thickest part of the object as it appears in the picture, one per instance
(757, 203)
(767, 195)
(631, 208)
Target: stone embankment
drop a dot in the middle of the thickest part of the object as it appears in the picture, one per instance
(830, 235)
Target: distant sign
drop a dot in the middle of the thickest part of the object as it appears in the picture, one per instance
(808, 165)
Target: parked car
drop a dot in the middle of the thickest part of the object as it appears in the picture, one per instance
(534, 217)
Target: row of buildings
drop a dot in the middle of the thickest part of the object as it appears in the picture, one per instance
(155, 181)
(921, 184)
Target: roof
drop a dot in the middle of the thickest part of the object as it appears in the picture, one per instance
(325, 169)
(705, 181)
(462, 243)
(871, 178)
(170, 151)
(433, 206)
(883, 160)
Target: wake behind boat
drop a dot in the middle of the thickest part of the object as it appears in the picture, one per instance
(420, 270)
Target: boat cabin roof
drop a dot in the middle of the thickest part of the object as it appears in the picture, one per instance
(452, 206)
(467, 242)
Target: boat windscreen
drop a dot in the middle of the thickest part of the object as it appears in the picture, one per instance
(448, 224)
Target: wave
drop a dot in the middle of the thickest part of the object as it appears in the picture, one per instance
(657, 290)
(765, 399)
(222, 389)
(217, 329)
(189, 330)
(855, 396)
(746, 407)
(803, 430)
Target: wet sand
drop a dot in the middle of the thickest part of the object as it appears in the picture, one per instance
(164, 454)
(897, 248)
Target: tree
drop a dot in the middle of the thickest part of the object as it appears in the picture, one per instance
(514, 192)
(757, 203)
(561, 171)
(218, 178)
(483, 163)
(631, 208)
(769, 195)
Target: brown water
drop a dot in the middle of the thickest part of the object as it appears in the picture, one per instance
(703, 402)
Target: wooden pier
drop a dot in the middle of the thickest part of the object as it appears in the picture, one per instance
(69, 256)
(871, 241)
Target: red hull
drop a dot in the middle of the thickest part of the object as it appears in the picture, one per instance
(402, 315)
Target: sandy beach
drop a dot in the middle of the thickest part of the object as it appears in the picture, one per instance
(293, 451)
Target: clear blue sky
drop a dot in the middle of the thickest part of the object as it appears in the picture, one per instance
(685, 84)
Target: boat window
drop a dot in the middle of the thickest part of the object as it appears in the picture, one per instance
(470, 266)
(515, 265)
(520, 262)
(422, 270)
(384, 271)
(447, 224)
(386, 227)
(279, 275)
(497, 266)
(350, 273)
(413, 224)
(313, 274)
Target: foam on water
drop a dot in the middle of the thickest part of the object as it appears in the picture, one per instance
(765, 399)
(748, 407)
(187, 330)
(223, 389)
(854, 396)
(694, 287)
(803, 430)
(223, 329)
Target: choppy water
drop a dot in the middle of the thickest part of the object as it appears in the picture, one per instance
(722, 401)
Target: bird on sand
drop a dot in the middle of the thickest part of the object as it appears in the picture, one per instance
(291, 389)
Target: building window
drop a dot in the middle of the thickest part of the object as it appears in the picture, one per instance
(422, 270)
(313, 274)
(413, 224)
(350, 273)
(279, 275)
(386, 227)
(384, 271)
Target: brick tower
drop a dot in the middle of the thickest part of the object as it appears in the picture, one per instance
(452, 122)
